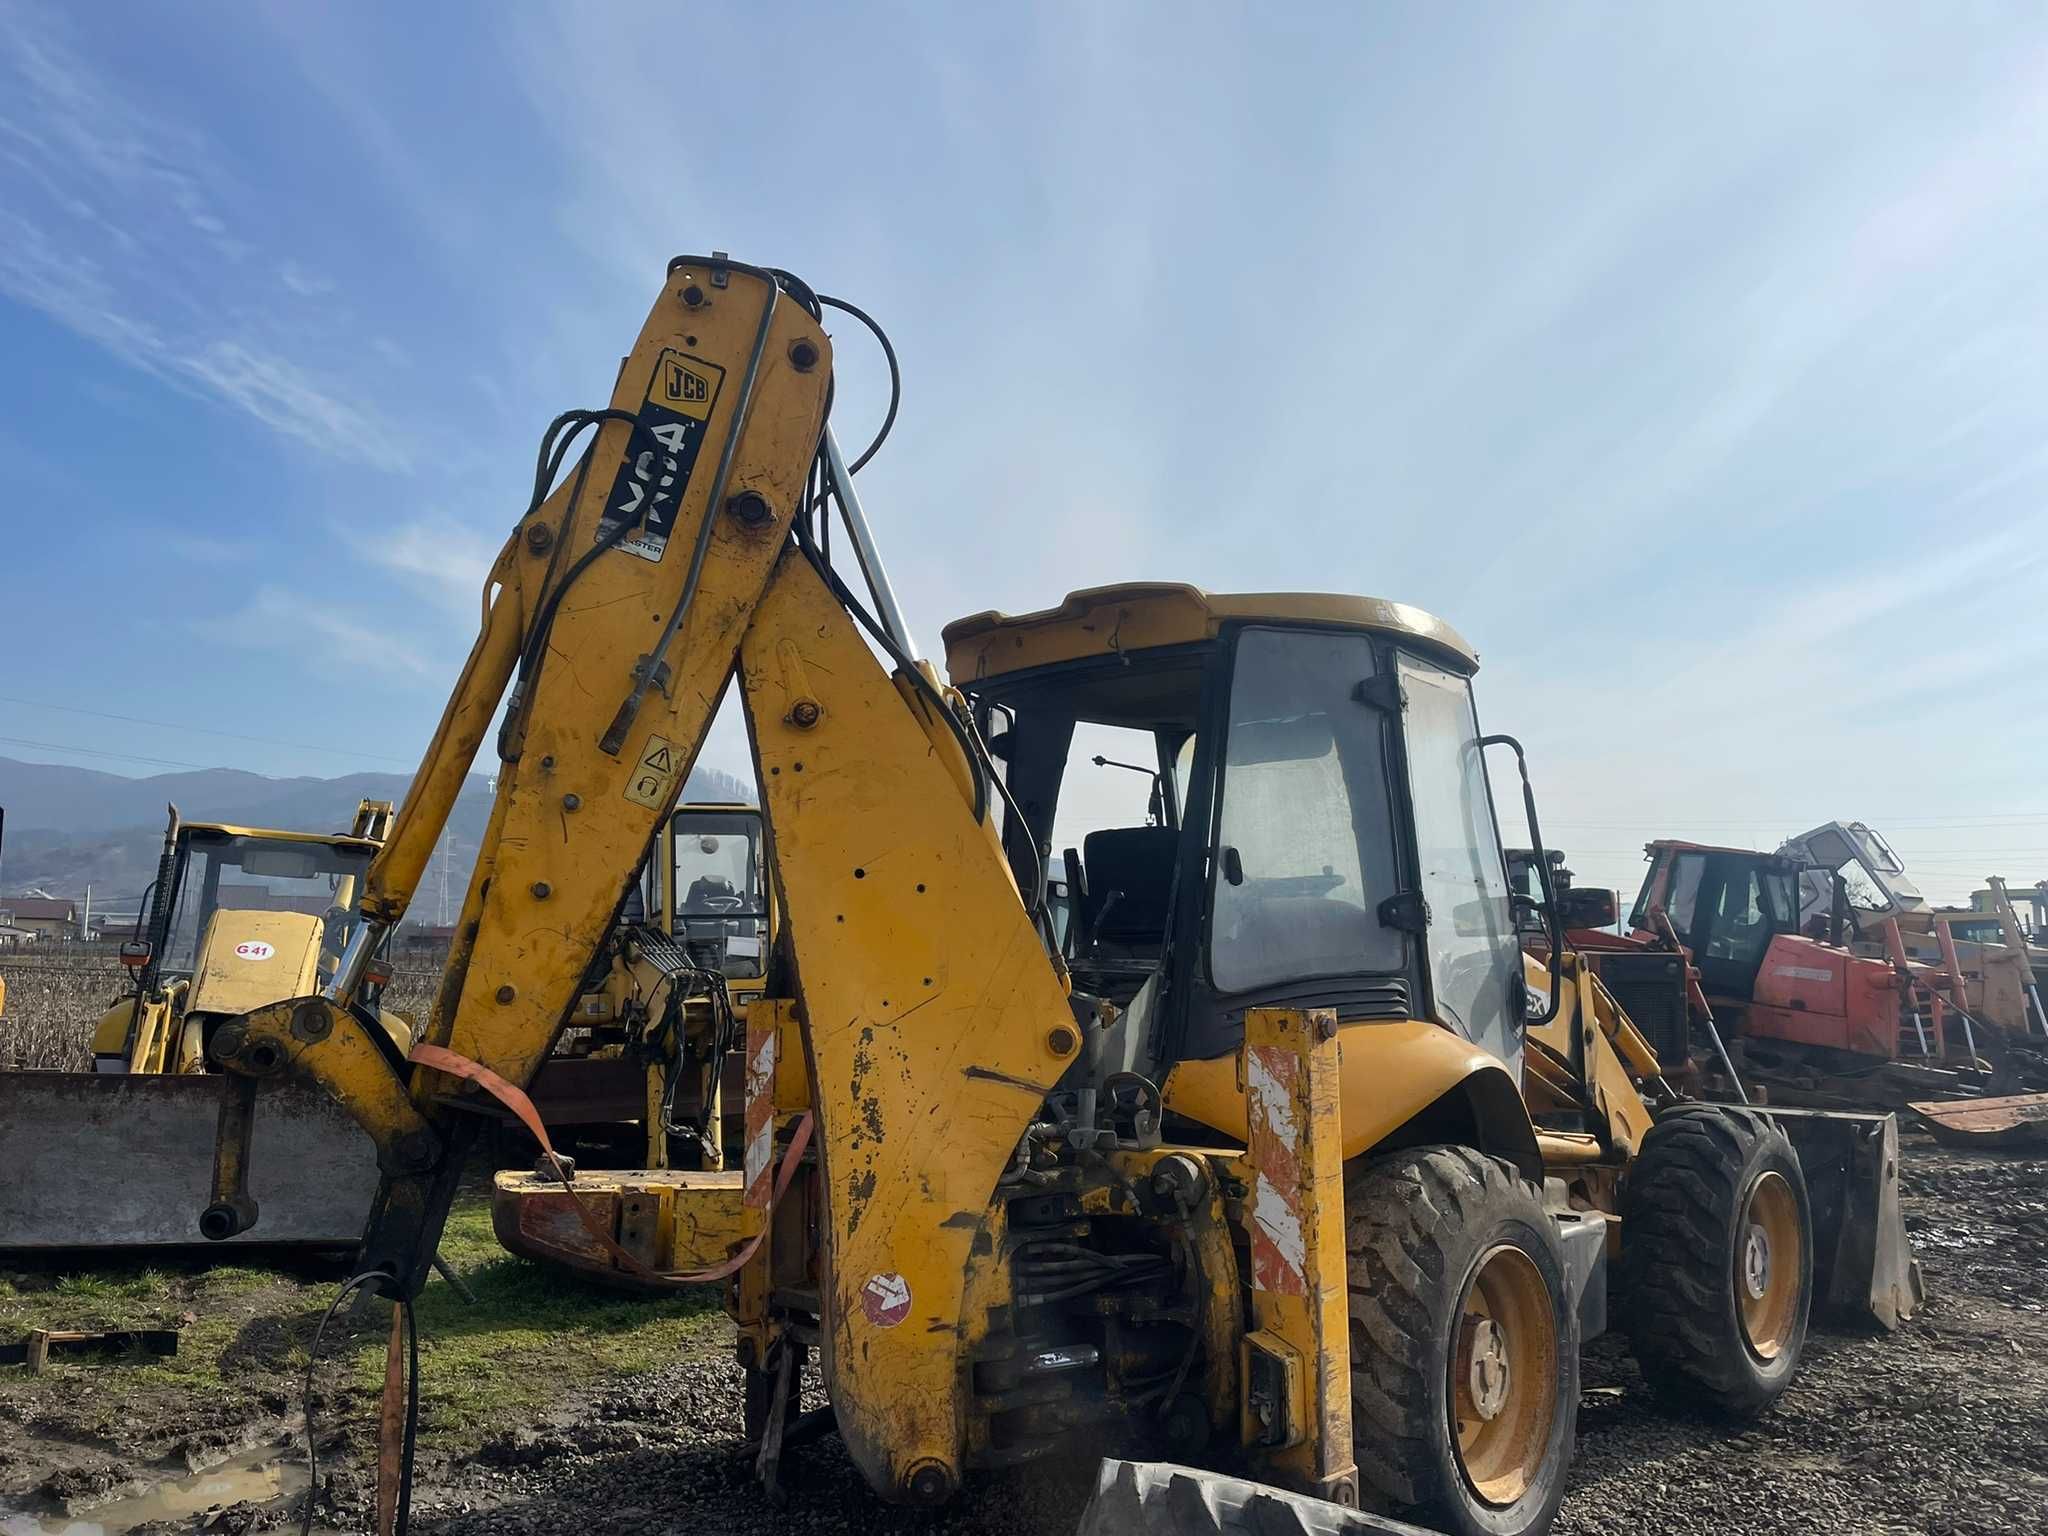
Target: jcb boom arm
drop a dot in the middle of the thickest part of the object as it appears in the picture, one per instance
(613, 615)
(932, 1018)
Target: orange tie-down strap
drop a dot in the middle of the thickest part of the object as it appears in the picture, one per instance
(513, 1098)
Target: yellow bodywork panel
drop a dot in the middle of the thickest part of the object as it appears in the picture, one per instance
(1597, 1054)
(1143, 615)
(110, 1035)
(311, 1039)
(936, 1024)
(1387, 1074)
(250, 958)
(668, 1219)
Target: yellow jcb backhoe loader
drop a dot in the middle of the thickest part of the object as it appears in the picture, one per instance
(118, 1156)
(1244, 1174)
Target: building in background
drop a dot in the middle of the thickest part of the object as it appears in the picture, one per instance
(47, 917)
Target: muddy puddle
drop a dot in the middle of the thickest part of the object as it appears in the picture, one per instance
(254, 1477)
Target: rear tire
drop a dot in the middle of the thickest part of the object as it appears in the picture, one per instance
(1716, 1272)
(1464, 1344)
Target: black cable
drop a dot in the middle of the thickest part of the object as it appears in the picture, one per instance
(895, 376)
(816, 544)
(629, 709)
(1041, 911)
(789, 282)
(1200, 1291)
(412, 1419)
(555, 444)
(348, 1288)
(903, 662)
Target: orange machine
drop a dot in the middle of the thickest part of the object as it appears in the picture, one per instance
(1737, 912)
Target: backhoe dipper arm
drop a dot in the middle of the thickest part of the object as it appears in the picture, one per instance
(620, 602)
(930, 1021)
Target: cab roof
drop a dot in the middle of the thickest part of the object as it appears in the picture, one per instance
(1145, 615)
(1754, 855)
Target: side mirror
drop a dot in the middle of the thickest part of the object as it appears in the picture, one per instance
(137, 953)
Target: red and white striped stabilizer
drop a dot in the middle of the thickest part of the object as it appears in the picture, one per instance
(1276, 1099)
(762, 1038)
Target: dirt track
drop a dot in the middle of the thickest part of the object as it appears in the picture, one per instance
(1941, 1428)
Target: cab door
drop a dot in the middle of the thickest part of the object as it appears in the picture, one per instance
(1474, 955)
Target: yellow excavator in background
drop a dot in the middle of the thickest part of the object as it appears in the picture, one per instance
(236, 917)
(1241, 1171)
(650, 1042)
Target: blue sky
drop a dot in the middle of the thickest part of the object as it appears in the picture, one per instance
(1691, 360)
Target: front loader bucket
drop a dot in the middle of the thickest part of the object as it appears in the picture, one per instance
(108, 1160)
(1157, 1498)
(1863, 1265)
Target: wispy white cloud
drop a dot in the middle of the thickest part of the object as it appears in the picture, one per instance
(132, 243)
(316, 629)
(282, 395)
(440, 556)
(307, 285)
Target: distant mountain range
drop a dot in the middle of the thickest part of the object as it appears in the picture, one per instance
(68, 828)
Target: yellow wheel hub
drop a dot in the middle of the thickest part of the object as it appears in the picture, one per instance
(1767, 1265)
(1504, 1375)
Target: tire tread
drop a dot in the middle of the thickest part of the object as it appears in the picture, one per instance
(1676, 1271)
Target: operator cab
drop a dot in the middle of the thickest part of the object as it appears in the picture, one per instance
(1270, 799)
(720, 888)
(1873, 876)
(1726, 905)
(237, 912)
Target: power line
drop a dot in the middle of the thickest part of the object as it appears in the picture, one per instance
(120, 757)
(196, 730)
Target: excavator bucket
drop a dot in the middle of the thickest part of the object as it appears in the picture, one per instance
(1158, 1498)
(115, 1160)
(2018, 1121)
(1863, 1265)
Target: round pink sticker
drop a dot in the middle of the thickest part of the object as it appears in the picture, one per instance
(886, 1300)
(254, 949)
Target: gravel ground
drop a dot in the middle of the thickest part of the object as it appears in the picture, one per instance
(1941, 1428)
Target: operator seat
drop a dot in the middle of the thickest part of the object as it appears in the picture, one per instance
(1129, 887)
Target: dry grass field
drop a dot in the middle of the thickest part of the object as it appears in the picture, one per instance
(55, 995)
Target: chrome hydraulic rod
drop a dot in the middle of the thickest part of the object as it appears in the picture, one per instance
(354, 963)
(886, 608)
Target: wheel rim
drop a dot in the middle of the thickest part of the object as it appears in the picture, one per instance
(1504, 1375)
(1767, 1265)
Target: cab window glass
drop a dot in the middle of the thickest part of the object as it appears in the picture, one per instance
(1304, 844)
(721, 901)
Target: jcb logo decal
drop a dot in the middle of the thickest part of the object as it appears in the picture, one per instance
(685, 385)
